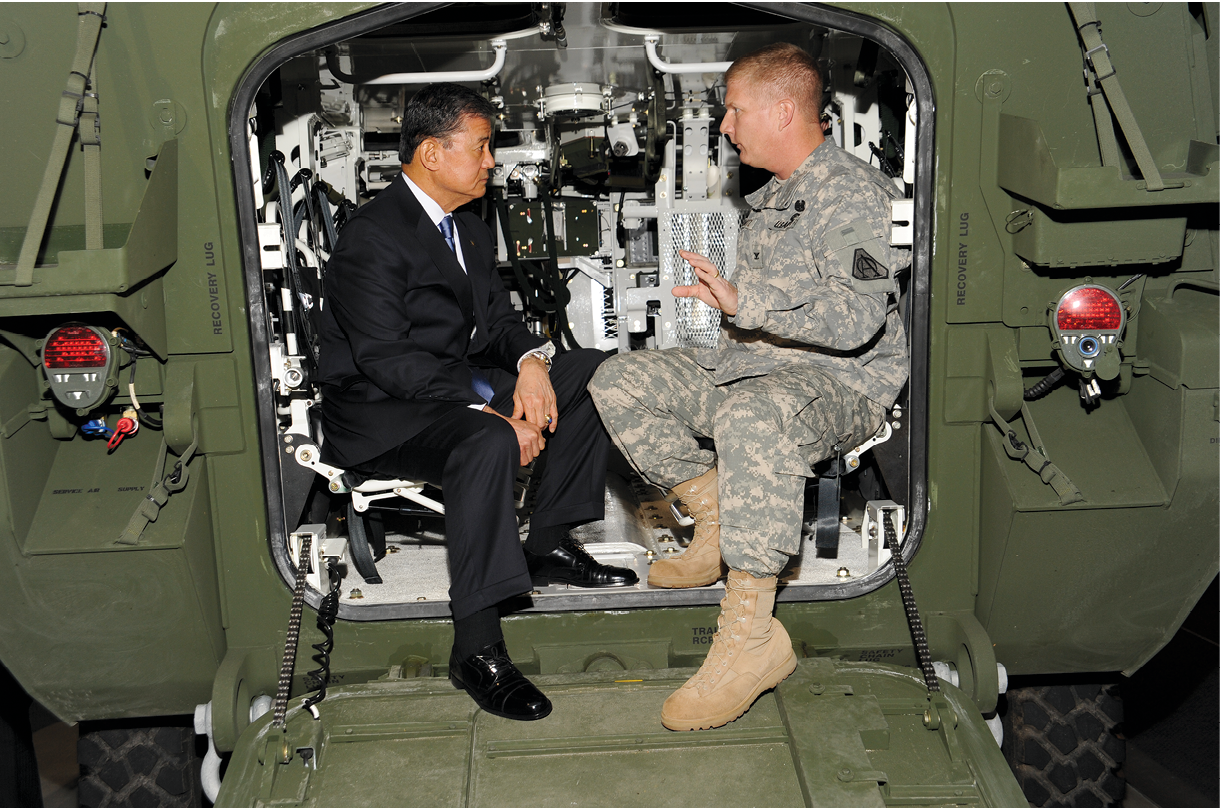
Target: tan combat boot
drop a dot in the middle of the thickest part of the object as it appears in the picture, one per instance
(750, 653)
(700, 565)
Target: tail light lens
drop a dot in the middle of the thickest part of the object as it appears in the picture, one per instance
(78, 360)
(1089, 308)
(75, 346)
(1088, 324)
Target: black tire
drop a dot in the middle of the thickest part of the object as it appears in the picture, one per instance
(1062, 744)
(138, 767)
(19, 782)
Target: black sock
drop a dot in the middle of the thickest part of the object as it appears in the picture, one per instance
(475, 632)
(543, 540)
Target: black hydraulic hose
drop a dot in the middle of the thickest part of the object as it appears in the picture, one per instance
(332, 64)
(302, 324)
(1046, 385)
(325, 216)
(559, 288)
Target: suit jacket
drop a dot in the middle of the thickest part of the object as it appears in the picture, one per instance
(395, 327)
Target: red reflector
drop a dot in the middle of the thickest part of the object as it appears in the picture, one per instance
(1089, 308)
(75, 346)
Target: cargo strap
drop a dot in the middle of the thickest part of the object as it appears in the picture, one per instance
(1105, 77)
(826, 530)
(73, 102)
(89, 130)
(1035, 456)
(159, 491)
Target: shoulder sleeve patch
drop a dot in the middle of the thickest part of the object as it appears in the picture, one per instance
(865, 268)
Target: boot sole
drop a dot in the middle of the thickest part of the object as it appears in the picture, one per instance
(683, 583)
(772, 679)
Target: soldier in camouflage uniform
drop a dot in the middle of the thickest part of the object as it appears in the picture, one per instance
(811, 355)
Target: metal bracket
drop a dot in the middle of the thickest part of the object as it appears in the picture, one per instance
(851, 460)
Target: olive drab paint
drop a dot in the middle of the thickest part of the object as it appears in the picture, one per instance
(195, 611)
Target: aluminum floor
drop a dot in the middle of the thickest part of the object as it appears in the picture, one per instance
(638, 529)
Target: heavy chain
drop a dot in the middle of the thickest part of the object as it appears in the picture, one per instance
(280, 709)
(922, 654)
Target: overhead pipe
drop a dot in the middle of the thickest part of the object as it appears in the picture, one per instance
(650, 47)
(498, 45)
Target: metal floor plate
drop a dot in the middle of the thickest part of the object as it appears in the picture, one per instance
(636, 531)
(834, 734)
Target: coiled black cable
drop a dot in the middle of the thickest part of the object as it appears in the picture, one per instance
(328, 612)
(1045, 386)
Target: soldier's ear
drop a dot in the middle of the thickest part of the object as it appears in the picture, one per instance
(785, 111)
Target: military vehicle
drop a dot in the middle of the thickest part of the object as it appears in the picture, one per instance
(175, 177)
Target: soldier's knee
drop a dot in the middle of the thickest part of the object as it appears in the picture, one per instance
(611, 378)
(745, 414)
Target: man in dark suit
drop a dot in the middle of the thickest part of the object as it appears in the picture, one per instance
(428, 373)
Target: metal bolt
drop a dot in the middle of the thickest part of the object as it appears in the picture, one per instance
(287, 439)
(843, 519)
(843, 572)
(670, 550)
(927, 717)
(392, 549)
(421, 597)
(355, 594)
(334, 486)
(305, 455)
(289, 449)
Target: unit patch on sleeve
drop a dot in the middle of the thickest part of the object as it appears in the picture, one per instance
(865, 268)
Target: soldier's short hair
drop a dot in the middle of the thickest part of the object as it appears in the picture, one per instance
(782, 69)
(436, 111)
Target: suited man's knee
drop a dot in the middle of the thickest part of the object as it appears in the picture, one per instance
(584, 362)
(495, 445)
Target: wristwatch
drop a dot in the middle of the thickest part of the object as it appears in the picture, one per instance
(543, 352)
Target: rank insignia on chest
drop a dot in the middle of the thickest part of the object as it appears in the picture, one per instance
(784, 224)
(865, 268)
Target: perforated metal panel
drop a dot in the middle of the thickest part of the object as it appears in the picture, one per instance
(713, 234)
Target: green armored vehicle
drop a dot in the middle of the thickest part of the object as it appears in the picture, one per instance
(177, 559)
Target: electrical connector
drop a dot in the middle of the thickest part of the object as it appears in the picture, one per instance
(126, 426)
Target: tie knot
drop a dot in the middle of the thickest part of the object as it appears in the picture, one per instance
(446, 226)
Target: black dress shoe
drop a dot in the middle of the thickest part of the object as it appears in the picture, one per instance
(496, 685)
(570, 563)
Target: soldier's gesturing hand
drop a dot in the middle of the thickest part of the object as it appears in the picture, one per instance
(711, 289)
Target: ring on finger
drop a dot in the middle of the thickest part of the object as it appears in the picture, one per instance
(549, 420)
(717, 275)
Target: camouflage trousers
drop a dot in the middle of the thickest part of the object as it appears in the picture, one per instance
(767, 430)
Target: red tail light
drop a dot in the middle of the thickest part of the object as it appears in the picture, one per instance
(75, 346)
(1089, 308)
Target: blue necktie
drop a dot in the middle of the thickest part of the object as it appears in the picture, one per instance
(481, 385)
(446, 226)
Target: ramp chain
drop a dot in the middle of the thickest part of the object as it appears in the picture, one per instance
(922, 654)
(280, 709)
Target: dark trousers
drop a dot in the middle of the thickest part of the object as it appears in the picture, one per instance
(473, 457)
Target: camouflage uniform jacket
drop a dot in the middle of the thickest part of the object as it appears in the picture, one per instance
(815, 280)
